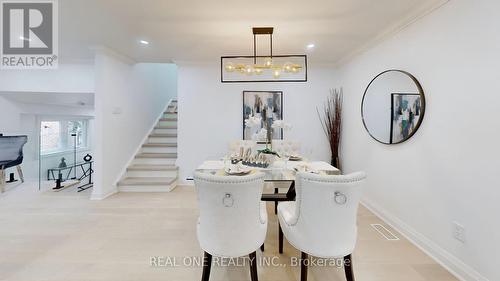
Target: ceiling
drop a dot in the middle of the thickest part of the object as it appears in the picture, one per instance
(204, 30)
(82, 100)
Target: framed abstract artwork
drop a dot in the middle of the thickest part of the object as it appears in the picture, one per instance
(266, 106)
(405, 113)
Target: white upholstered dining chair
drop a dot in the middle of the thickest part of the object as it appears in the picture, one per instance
(233, 220)
(322, 220)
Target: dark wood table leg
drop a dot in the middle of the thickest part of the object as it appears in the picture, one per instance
(279, 197)
(349, 274)
(276, 191)
(280, 239)
(303, 267)
(290, 195)
(253, 266)
(207, 264)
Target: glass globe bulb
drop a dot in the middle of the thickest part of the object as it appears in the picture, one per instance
(295, 70)
(276, 74)
(258, 71)
(288, 67)
(248, 70)
(268, 62)
(229, 67)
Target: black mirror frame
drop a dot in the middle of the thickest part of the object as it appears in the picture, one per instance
(422, 96)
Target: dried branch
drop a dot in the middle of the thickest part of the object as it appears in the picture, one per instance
(331, 122)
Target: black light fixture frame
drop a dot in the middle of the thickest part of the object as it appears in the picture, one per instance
(262, 31)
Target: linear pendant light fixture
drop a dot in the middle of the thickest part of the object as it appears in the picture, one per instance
(263, 68)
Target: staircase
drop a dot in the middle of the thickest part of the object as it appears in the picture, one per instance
(153, 168)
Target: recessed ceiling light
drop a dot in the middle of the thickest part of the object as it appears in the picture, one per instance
(310, 46)
(144, 42)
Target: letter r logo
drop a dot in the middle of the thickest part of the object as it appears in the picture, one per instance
(27, 28)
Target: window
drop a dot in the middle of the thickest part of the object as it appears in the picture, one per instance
(61, 136)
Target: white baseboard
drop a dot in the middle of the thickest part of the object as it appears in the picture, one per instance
(108, 193)
(454, 265)
(186, 182)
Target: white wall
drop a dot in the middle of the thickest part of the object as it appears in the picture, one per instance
(9, 117)
(129, 99)
(447, 171)
(67, 78)
(210, 112)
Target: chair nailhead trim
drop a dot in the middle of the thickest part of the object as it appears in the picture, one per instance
(317, 179)
(253, 178)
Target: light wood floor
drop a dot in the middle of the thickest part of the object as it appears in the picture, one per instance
(64, 236)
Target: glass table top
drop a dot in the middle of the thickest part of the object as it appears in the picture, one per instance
(283, 173)
(270, 175)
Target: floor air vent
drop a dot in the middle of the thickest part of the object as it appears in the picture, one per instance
(384, 232)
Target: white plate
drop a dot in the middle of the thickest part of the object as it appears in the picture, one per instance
(235, 172)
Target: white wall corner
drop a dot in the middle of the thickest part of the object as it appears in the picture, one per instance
(185, 182)
(454, 265)
(104, 195)
(113, 53)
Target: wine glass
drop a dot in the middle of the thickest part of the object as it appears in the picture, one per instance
(308, 155)
(285, 157)
(227, 161)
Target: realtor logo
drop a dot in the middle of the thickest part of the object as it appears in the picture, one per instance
(29, 34)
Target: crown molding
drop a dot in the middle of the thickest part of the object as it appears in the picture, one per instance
(391, 32)
(110, 52)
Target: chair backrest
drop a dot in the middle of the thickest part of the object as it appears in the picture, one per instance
(327, 211)
(11, 149)
(286, 147)
(234, 146)
(230, 213)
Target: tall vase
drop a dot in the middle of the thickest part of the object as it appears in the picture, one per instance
(335, 162)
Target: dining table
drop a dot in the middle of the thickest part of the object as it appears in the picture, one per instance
(279, 172)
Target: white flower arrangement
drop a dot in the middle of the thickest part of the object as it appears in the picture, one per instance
(261, 135)
(253, 121)
(280, 124)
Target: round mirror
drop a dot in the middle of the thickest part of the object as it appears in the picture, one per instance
(393, 106)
